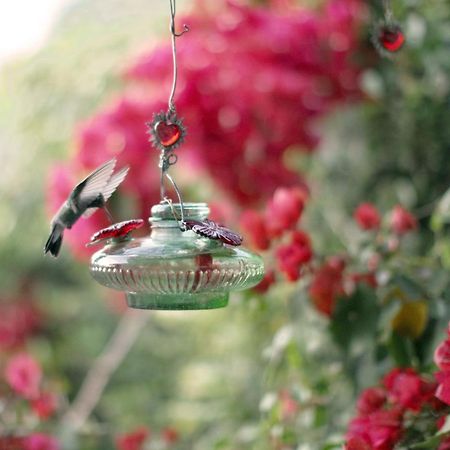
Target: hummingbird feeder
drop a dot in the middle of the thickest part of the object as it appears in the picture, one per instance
(188, 261)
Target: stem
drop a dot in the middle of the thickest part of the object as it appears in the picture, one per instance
(98, 376)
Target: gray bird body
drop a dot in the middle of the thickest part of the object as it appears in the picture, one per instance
(89, 195)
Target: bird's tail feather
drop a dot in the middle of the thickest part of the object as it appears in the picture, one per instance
(54, 241)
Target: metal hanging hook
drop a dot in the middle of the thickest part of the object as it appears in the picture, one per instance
(388, 14)
(173, 10)
(167, 157)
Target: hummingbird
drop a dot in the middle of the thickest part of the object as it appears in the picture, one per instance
(89, 195)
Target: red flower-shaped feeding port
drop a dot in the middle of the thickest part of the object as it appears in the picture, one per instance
(209, 229)
(117, 231)
(389, 38)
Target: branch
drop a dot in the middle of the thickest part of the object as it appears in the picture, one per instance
(123, 338)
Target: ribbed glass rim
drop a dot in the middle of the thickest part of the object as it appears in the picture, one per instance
(164, 211)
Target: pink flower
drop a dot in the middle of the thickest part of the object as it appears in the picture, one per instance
(367, 278)
(289, 406)
(11, 443)
(402, 221)
(40, 441)
(442, 355)
(443, 389)
(357, 443)
(20, 319)
(45, 405)
(284, 210)
(445, 444)
(254, 228)
(406, 388)
(134, 440)
(367, 216)
(327, 285)
(371, 400)
(24, 374)
(293, 256)
(380, 430)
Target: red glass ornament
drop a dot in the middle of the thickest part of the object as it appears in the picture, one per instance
(391, 38)
(118, 230)
(168, 134)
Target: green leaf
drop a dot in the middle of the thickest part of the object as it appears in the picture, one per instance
(401, 350)
(355, 317)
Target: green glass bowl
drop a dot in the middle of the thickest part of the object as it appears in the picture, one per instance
(176, 270)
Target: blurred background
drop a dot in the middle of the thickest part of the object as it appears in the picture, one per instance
(279, 94)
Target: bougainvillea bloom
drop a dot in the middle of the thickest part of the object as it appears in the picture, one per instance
(367, 216)
(117, 231)
(402, 221)
(405, 388)
(254, 226)
(390, 37)
(19, 320)
(284, 210)
(442, 355)
(327, 285)
(370, 400)
(381, 430)
(356, 443)
(134, 440)
(291, 257)
(24, 374)
(45, 405)
(40, 441)
(11, 443)
(289, 406)
(209, 229)
(443, 389)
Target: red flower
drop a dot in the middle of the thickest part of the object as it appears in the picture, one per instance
(357, 443)
(170, 435)
(45, 405)
(293, 256)
(134, 440)
(40, 441)
(367, 216)
(443, 389)
(402, 221)
(289, 406)
(327, 285)
(442, 355)
(445, 444)
(24, 374)
(381, 430)
(254, 227)
(371, 400)
(407, 389)
(19, 320)
(284, 210)
(11, 443)
(367, 278)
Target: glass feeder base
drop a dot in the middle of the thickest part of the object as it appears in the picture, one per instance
(178, 302)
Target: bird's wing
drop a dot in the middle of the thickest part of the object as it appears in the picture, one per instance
(109, 189)
(114, 182)
(89, 189)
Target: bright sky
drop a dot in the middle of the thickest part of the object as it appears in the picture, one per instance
(24, 24)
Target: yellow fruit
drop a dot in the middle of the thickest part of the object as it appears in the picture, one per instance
(411, 319)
